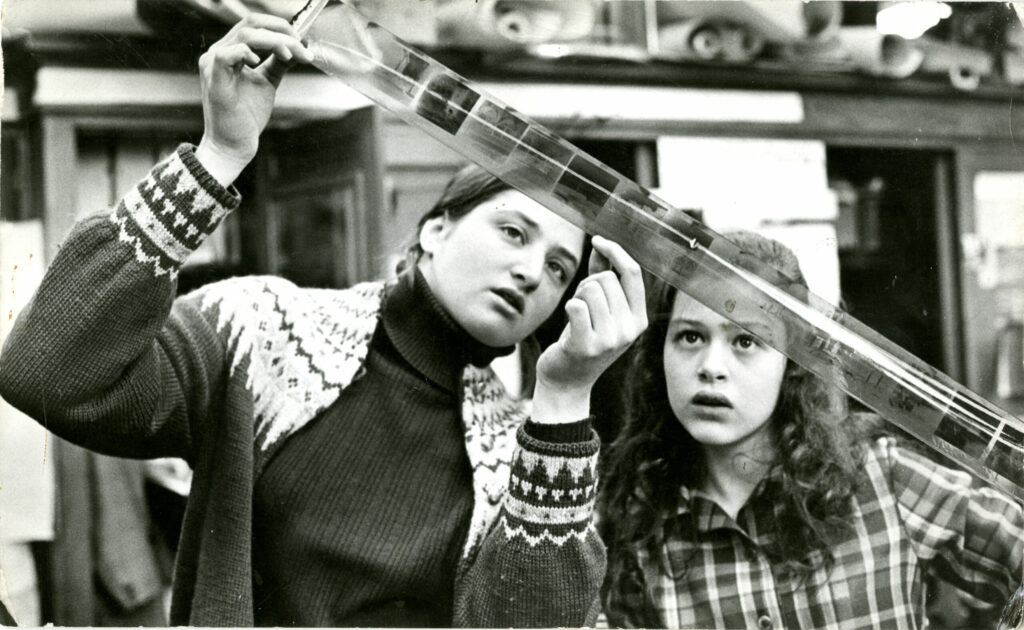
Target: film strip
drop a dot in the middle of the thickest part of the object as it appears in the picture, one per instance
(982, 438)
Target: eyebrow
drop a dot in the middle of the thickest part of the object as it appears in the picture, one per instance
(685, 322)
(532, 225)
(761, 329)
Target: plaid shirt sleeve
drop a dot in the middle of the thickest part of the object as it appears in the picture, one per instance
(971, 535)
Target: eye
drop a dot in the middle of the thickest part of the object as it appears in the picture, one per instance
(558, 271)
(688, 337)
(746, 342)
(513, 233)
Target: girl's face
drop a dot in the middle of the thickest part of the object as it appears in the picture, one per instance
(501, 269)
(722, 382)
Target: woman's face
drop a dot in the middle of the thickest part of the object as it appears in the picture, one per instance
(501, 269)
(722, 382)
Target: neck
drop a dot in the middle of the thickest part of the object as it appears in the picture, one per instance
(732, 472)
(427, 336)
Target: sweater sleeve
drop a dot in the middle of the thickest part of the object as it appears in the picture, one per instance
(973, 536)
(542, 563)
(103, 355)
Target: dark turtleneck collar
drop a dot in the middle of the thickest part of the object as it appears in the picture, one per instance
(427, 336)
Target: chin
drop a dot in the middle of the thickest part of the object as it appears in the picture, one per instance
(495, 336)
(707, 433)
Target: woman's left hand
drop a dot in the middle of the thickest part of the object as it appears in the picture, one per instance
(606, 314)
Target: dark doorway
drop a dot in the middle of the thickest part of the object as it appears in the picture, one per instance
(888, 232)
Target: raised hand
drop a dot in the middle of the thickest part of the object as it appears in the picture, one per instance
(238, 89)
(606, 314)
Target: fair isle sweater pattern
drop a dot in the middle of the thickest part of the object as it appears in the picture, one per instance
(166, 217)
(302, 347)
(549, 496)
(299, 357)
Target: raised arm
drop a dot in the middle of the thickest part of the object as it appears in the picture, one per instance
(238, 90)
(606, 314)
(103, 355)
(542, 564)
(972, 535)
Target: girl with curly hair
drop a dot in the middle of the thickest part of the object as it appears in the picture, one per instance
(741, 493)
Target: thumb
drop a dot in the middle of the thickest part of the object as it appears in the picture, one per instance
(274, 69)
(598, 262)
(575, 332)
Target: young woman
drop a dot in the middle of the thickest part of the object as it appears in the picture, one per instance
(741, 495)
(356, 462)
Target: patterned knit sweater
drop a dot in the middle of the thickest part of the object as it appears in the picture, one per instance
(106, 357)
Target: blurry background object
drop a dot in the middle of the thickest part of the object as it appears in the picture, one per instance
(878, 54)
(1013, 55)
(779, 21)
(27, 472)
(415, 21)
(1010, 357)
(910, 20)
(698, 38)
(110, 16)
(966, 66)
(858, 224)
(693, 38)
(506, 23)
(739, 31)
(998, 235)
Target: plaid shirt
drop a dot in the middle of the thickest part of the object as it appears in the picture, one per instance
(909, 514)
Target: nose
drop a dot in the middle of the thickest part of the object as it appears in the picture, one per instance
(713, 362)
(528, 268)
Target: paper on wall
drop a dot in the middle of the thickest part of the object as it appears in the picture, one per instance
(816, 248)
(778, 188)
(744, 182)
(999, 208)
(27, 471)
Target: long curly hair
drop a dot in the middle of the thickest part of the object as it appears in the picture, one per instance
(813, 477)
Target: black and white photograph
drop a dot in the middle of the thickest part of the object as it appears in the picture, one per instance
(512, 313)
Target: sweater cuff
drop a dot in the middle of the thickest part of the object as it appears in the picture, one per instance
(170, 213)
(579, 431)
(552, 489)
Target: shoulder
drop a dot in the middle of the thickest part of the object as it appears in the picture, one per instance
(256, 294)
(276, 312)
(904, 457)
(914, 476)
(891, 450)
(230, 290)
(271, 328)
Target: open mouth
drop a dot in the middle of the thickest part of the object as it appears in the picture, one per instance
(513, 298)
(709, 399)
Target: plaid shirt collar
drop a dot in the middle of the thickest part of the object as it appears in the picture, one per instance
(759, 509)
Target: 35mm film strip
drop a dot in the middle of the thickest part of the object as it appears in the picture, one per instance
(913, 395)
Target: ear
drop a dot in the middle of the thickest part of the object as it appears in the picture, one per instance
(432, 233)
